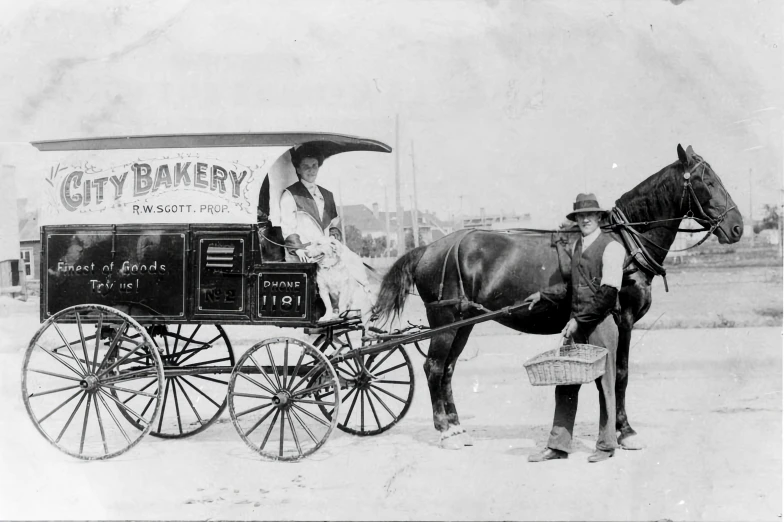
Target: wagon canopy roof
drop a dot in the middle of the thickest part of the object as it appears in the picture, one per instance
(329, 144)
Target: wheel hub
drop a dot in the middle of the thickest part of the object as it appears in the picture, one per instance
(90, 383)
(281, 399)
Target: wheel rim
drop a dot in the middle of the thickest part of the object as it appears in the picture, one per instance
(81, 369)
(272, 403)
(379, 388)
(193, 402)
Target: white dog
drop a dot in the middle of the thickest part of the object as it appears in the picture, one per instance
(341, 275)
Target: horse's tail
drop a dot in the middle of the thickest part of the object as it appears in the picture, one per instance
(395, 285)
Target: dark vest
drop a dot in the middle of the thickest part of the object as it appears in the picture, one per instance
(306, 203)
(587, 271)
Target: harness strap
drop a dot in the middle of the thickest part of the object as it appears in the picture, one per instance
(639, 255)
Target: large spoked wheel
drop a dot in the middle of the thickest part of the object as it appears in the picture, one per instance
(273, 400)
(197, 361)
(81, 371)
(380, 387)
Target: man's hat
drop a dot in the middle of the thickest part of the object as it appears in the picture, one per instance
(585, 203)
(293, 242)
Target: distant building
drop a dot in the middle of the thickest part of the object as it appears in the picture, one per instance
(373, 223)
(496, 221)
(29, 243)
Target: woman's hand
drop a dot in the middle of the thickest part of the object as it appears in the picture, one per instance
(532, 299)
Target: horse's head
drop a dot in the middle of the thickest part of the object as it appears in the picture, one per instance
(706, 199)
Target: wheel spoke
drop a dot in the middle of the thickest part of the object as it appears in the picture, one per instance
(187, 398)
(112, 345)
(282, 424)
(307, 430)
(100, 425)
(176, 406)
(296, 369)
(211, 379)
(67, 345)
(379, 363)
(274, 368)
(285, 380)
(272, 425)
(163, 406)
(294, 434)
(128, 390)
(373, 409)
(69, 399)
(384, 404)
(306, 412)
(306, 391)
(126, 408)
(382, 390)
(84, 426)
(252, 396)
(81, 399)
(251, 410)
(263, 372)
(84, 344)
(318, 367)
(122, 359)
(254, 381)
(389, 369)
(97, 340)
(54, 374)
(351, 409)
(186, 381)
(309, 401)
(111, 414)
(52, 391)
(61, 361)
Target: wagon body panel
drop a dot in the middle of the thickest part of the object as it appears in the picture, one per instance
(165, 273)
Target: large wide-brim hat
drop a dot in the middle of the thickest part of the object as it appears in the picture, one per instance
(585, 203)
(293, 242)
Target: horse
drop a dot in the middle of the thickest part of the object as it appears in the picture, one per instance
(471, 272)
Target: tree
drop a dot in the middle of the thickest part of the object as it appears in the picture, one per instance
(410, 240)
(353, 239)
(770, 221)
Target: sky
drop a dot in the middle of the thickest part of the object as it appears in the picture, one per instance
(507, 105)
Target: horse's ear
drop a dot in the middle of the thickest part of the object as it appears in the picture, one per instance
(689, 151)
(683, 156)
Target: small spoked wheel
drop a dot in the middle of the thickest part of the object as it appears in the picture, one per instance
(379, 390)
(81, 371)
(197, 360)
(278, 393)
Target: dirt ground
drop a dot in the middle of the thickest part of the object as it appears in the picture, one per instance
(706, 401)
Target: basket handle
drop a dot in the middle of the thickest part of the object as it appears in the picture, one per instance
(561, 339)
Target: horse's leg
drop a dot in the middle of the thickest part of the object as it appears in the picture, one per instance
(435, 367)
(461, 438)
(627, 437)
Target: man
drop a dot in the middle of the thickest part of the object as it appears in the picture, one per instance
(304, 199)
(597, 272)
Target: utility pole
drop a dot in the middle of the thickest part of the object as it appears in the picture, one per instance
(751, 210)
(401, 236)
(342, 215)
(415, 209)
(386, 216)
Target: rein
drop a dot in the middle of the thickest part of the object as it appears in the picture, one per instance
(632, 238)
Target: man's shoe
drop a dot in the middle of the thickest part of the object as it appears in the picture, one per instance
(600, 455)
(548, 454)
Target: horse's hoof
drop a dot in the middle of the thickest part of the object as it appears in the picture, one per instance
(453, 438)
(450, 443)
(631, 442)
(464, 439)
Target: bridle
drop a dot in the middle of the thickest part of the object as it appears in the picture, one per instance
(632, 238)
(688, 195)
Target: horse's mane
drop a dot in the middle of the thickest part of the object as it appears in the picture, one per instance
(657, 196)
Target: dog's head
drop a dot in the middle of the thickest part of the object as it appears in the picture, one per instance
(326, 249)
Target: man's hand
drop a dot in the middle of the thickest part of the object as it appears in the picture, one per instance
(570, 329)
(532, 299)
(303, 257)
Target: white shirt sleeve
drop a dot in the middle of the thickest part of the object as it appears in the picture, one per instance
(288, 214)
(612, 264)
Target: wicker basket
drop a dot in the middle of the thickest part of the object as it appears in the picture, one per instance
(568, 364)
